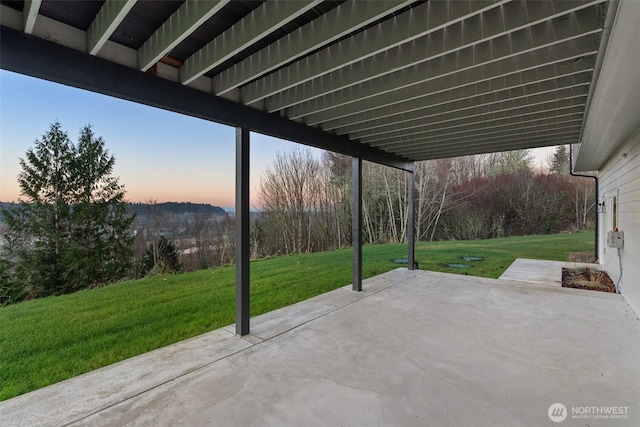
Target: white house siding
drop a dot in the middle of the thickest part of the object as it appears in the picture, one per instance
(620, 177)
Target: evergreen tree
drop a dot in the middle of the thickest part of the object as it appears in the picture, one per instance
(70, 230)
(38, 232)
(100, 228)
(559, 162)
(10, 289)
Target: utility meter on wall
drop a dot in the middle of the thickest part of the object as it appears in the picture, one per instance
(615, 239)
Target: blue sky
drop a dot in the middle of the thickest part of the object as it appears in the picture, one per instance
(160, 155)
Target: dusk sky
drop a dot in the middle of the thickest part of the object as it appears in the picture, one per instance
(160, 155)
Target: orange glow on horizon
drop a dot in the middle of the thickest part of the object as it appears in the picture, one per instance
(142, 194)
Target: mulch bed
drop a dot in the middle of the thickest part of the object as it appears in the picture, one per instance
(592, 280)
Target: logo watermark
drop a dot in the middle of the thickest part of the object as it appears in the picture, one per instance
(558, 412)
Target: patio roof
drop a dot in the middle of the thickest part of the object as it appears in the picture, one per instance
(414, 348)
(390, 81)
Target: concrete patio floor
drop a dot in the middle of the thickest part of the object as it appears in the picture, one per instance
(542, 272)
(414, 348)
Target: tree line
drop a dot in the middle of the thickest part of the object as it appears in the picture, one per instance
(305, 201)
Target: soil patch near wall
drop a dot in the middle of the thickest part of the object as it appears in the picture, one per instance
(582, 257)
(592, 280)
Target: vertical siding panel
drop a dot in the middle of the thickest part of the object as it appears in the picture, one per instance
(621, 175)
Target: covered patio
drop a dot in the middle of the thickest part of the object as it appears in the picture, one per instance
(391, 82)
(413, 348)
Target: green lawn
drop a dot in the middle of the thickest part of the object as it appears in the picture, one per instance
(48, 340)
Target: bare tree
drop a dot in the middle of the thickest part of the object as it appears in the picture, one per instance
(583, 199)
(286, 195)
(307, 202)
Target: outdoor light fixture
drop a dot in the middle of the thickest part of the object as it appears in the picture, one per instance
(601, 206)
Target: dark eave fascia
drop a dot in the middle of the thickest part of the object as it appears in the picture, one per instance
(50, 61)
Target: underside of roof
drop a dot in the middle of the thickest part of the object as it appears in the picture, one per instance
(400, 80)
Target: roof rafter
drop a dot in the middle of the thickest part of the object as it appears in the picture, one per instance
(406, 81)
(505, 135)
(541, 141)
(480, 122)
(424, 98)
(259, 23)
(29, 14)
(526, 123)
(106, 22)
(342, 20)
(418, 22)
(191, 15)
(452, 118)
(505, 20)
(538, 140)
(418, 110)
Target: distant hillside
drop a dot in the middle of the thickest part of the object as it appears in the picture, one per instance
(175, 208)
(8, 205)
(167, 208)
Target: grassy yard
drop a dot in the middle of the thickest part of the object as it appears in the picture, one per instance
(48, 340)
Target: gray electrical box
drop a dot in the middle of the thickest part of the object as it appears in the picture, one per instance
(615, 239)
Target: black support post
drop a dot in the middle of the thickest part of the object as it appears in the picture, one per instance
(356, 223)
(242, 231)
(411, 226)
